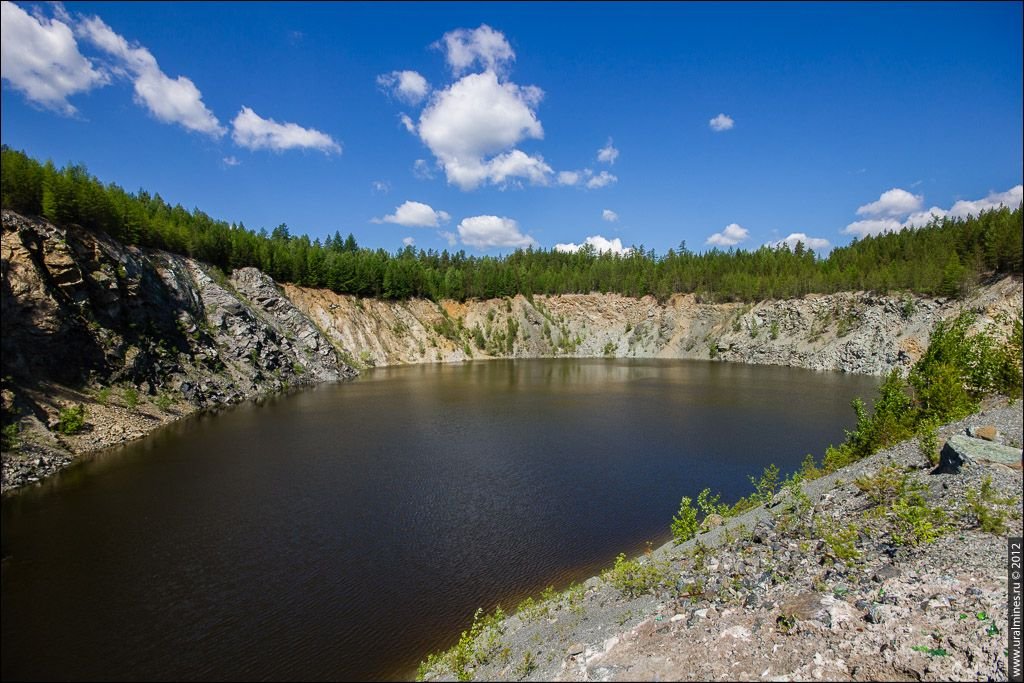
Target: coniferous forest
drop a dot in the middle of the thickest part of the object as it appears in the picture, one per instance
(944, 258)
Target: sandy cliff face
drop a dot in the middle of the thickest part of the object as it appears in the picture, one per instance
(850, 332)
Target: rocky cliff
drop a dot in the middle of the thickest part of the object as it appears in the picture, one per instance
(140, 337)
(848, 332)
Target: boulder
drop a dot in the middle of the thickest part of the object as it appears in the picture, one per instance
(965, 451)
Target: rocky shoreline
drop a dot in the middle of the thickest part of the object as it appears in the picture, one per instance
(845, 581)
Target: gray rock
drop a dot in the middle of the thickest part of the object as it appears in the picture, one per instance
(964, 451)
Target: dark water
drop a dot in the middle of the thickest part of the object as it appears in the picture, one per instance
(345, 531)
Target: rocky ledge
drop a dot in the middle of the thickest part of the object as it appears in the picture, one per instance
(884, 570)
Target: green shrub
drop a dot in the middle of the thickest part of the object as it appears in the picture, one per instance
(988, 509)
(71, 420)
(131, 398)
(635, 577)
(684, 523)
(10, 436)
(766, 485)
(915, 522)
(475, 647)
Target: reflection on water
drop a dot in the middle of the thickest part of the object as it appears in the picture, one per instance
(344, 531)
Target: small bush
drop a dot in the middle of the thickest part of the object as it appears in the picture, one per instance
(131, 398)
(634, 577)
(10, 437)
(915, 522)
(988, 509)
(684, 523)
(71, 420)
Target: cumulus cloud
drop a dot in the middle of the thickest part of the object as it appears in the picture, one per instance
(721, 123)
(484, 232)
(479, 116)
(252, 131)
(451, 237)
(1011, 198)
(815, 243)
(381, 186)
(231, 161)
(466, 47)
(731, 235)
(601, 180)
(39, 57)
(609, 215)
(408, 86)
(415, 215)
(407, 123)
(608, 154)
(894, 202)
(599, 243)
(898, 205)
(408, 241)
(170, 100)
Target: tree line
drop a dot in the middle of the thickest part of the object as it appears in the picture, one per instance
(943, 258)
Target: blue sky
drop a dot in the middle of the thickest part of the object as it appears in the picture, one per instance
(487, 126)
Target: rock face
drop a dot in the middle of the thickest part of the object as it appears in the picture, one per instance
(83, 314)
(848, 332)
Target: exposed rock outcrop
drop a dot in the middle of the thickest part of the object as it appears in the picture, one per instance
(139, 337)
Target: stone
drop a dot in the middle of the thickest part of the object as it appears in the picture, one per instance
(986, 432)
(964, 451)
(575, 649)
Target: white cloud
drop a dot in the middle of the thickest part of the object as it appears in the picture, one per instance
(408, 86)
(452, 238)
(873, 226)
(921, 218)
(897, 203)
(608, 154)
(484, 232)
(601, 180)
(478, 116)
(518, 164)
(408, 241)
(252, 131)
(731, 235)
(421, 169)
(231, 161)
(381, 186)
(815, 243)
(609, 215)
(170, 100)
(415, 215)
(568, 177)
(721, 123)
(894, 202)
(407, 123)
(599, 243)
(1011, 198)
(464, 47)
(40, 58)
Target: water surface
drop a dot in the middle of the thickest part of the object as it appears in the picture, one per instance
(344, 531)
